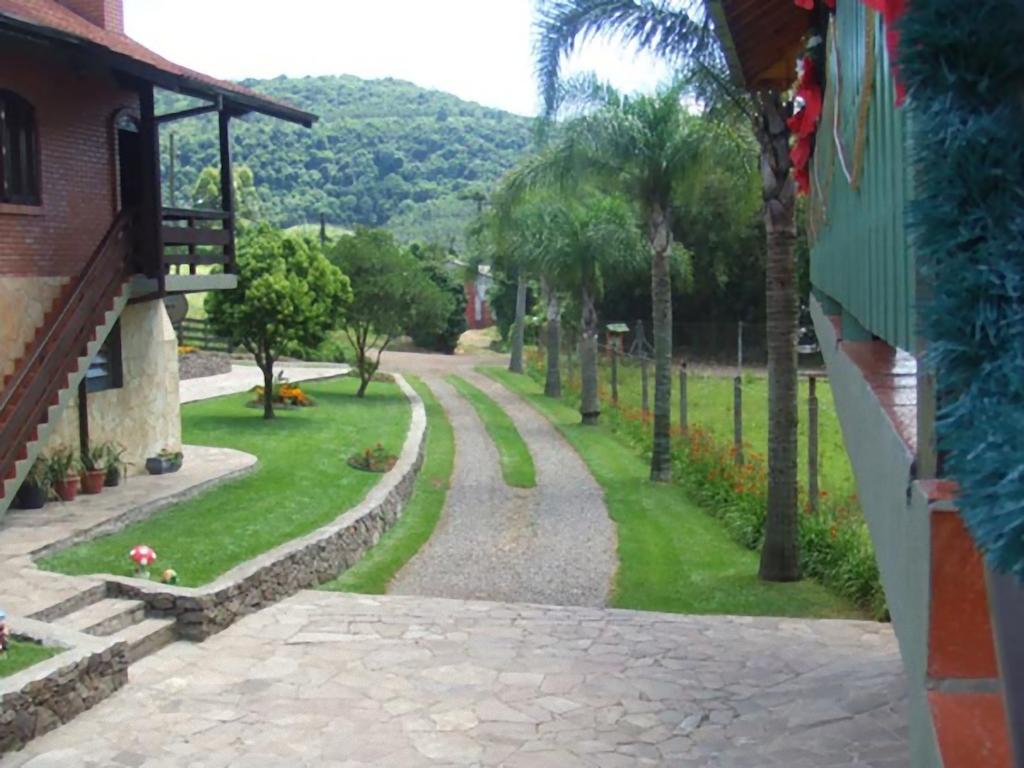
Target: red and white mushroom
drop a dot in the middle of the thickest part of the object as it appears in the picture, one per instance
(142, 555)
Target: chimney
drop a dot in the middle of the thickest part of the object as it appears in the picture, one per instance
(108, 14)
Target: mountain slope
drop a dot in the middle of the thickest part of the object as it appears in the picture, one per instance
(384, 153)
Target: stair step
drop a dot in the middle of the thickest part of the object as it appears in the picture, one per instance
(146, 637)
(106, 617)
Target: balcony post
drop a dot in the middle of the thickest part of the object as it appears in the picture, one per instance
(150, 241)
(227, 189)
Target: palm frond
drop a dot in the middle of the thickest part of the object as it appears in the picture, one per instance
(678, 31)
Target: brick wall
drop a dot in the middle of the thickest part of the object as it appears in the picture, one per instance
(74, 116)
(108, 14)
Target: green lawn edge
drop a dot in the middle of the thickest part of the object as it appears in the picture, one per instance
(23, 654)
(302, 482)
(516, 462)
(374, 572)
(673, 556)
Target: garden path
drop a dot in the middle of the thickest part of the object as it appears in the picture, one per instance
(553, 544)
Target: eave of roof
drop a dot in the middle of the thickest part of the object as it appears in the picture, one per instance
(150, 67)
(761, 40)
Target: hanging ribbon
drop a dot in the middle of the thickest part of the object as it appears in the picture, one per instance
(891, 11)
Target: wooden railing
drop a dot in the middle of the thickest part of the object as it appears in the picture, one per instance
(45, 368)
(197, 332)
(195, 238)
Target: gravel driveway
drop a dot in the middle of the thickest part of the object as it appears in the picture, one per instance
(553, 544)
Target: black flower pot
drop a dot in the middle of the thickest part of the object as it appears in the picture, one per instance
(157, 465)
(113, 478)
(30, 496)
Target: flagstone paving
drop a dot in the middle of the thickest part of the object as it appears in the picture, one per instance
(325, 679)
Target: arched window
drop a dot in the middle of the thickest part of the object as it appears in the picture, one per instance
(19, 151)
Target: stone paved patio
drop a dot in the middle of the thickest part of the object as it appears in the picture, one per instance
(324, 679)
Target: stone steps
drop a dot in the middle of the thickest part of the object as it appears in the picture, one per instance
(118, 619)
(105, 617)
(146, 637)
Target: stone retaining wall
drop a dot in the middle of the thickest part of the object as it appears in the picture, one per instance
(52, 692)
(299, 564)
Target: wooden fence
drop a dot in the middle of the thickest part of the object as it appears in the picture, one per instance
(198, 333)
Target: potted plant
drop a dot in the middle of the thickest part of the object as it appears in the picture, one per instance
(35, 491)
(114, 464)
(62, 465)
(93, 472)
(164, 462)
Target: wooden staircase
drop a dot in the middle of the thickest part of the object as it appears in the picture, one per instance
(56, 360)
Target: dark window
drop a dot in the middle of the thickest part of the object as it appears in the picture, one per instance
(19, 151)
(105, 371)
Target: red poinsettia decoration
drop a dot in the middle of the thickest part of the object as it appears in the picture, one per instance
(804, 122)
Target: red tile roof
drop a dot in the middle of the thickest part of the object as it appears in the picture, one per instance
(50, 19)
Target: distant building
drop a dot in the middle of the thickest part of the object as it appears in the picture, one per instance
(478, 311)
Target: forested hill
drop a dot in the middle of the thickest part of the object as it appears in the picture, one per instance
(384, 153)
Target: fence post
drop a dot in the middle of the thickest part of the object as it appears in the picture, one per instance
(645, 386)
(683, 420)
(737, 418)
(615, 376)
(812, 444)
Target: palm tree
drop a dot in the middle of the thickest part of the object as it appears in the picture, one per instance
(647, 149)
(586, 239)
(553, 337)
(683, 34)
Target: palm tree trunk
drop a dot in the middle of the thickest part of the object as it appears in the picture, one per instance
(660, 234)
(590, 404)
(553, 382)
(516, 362)
(780, 555)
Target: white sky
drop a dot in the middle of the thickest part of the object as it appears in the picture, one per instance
(479, 50)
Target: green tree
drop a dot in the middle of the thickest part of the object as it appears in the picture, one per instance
(393, 293)
(437, 264)
(288, 294)
(684, 35)
(206, 193)
(586, 240)
(648, 149)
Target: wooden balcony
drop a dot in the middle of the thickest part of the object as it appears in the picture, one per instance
(198, 250)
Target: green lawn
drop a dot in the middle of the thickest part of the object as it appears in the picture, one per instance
(374, 572)
(516, 462)
(672, 556)
(709, 404)
(22, 654)
(302, 482)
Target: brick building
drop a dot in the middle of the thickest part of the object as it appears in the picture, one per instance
(87, 250)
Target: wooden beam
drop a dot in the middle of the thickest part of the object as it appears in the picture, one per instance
(192, 236)
(227, 189)
(149, 225)
(193, 112)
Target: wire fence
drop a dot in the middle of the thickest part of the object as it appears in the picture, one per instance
(730, 401)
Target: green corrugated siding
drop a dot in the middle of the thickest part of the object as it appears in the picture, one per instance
(861, 257)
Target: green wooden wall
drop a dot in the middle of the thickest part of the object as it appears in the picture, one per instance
(860, 255)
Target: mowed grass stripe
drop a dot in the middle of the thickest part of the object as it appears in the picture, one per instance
(302, 482)
(374, 572)
(516, 463)
(672, 555)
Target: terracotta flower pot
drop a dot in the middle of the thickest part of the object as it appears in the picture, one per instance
(92, 481)
(67, 488)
